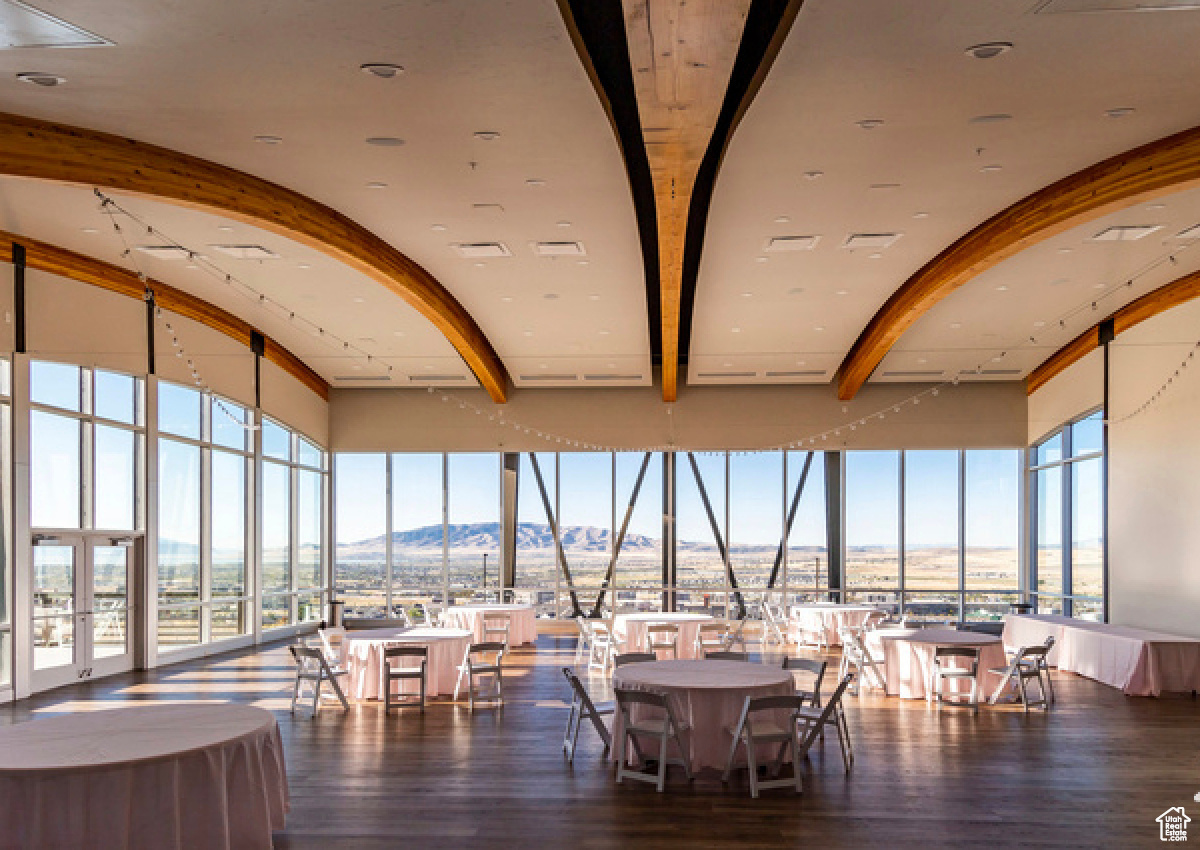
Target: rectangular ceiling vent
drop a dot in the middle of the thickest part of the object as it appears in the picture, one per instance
(488, 209)
(727, 374)
(558, 249)
(481, 250)
(549, 377)
(802, 373)
(436, 379)
(383, 378)
(164, 252)
(246, 252)
(870, 241)
(612, 377)
(783, 244)
(1126, 233)
(21, 25)
(1010, 372)
(914, 373)
(1190, 234)
(1081, 7)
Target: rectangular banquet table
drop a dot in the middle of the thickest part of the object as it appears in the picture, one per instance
(908, 660)
(362, 656)
(1138, 661)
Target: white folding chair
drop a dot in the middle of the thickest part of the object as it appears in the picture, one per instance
(480, 660)
(403, 673)
(751, 731)
(604, 646)
(710, 637)
(816, 669)
(816, 718)
(810, 637)
(312, 667)
(662, 637)
(495, 627)
(582, 707)
(583, 646)
(659, 722)
(856, 658)
(946, 661)
(332, 642)
(774, 624)
(736, 636)
(1026, 664)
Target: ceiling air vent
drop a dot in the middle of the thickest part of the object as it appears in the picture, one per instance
(436, 379)
(21, 25)
(612, 377)
(782, 244)
(383, 378)
(481, 250)
(726, 374)
(871, 241)
(558, 249)
(991, 372)
(246, 252)
(165, 252)
(803, 373)
(549, 377)
(1191, 233)
(914, 373)
(1126, 233)
(1077, 7)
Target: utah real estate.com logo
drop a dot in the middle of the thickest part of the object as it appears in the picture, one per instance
(1173, 823)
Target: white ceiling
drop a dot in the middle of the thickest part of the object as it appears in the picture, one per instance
(904, 64)
(206, 78)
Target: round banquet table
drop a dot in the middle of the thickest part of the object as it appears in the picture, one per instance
(630, 629)
(827, 618)
(362, 656)
(522, 620)
(707, 699)
(908, 666)
(193, 776)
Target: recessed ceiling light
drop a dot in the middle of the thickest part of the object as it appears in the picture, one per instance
(1065, 250)
(581, 262)
(506, 299)
(922, 359)
(795, 290)
(612, 365)
(535, 181)
(303, 266)
(604, 332)
(551, 296)
(527, 332)
(747, 294)
(1039, 324)
(989, 49)
(842, 292)
(870, 123)
(818, 328)
(1099, 285)
(437, 227)
(480, 265)
(225, 228)
(994, 118)
(385, 142)
(727, 364)
(269, 140)
(1120, 112)
(1126, 233)
(1156, 207)
(813, 175)
(374, 184)
(41, 78)
(191, 266)
(991, 169)
(397, 333)
(543, 366)
(760, 259)
(955, 325)
(90, 230)
(593, 297)
(783, 219)
(358, 300)
(383, 70)
(1002, 288)
(356, 366)
(428, 366)
(563, 223)
(801, 362)
(920, 215)
(875, 256)
(487, 135)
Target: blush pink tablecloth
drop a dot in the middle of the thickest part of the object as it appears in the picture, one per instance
(706, 696)
(826, 618)
(630, 629)
(522, 621)
(363, 659)
(1033, 629)
(194, 777)
(908, 666)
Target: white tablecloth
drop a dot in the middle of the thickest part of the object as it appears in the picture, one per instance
(908, 665)
(155, 777)
(827, 618)
(707, 696)
(363, 657)
(522, 621)
(630, 629)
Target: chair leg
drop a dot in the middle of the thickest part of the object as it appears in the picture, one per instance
(1048, 684)
(295, 691)
(567, 735)
(601, 729)
(1004, 683)
(317, 693)
(752, 765)
(662, 762)
(423, 688)
(737, 739)
(1024, 693)
(337, 689)
(622, 754)
(844, 743)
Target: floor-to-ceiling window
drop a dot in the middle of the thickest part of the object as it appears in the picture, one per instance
(873, 523)
(6, 659)
(1067, 520)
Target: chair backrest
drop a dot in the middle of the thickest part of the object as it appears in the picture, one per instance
(713, 628)
(808, 665)
(331, 640)
(791, 702)
(487, 647)
(835, 700)
(662, 629)
(585, 628)
(358, 623)
(310, 660)
(627, 697)
(1034, 653)
(600, 628)
(726, 655)
(874, 620)
(633, 658)
(956, 652)
(405, 652)
(852, 644)
(580, 691)
(495, 622)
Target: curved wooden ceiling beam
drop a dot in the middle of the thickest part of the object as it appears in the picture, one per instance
(79, 267)
(1167, 165)
(1177, 292)
(48, 151)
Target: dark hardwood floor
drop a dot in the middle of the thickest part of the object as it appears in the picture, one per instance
(1095, 771)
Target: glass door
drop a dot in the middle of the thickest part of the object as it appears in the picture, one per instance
(81, 625)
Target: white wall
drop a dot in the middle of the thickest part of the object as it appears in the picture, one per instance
(1067, 396)
(991, 415)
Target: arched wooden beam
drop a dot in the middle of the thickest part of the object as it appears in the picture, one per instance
(1167, 165)
(48, 151)
(50, 258)
(1173, 294)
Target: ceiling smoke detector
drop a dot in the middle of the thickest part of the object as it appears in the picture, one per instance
(989, 49)
(383, 70)
(41, 78)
